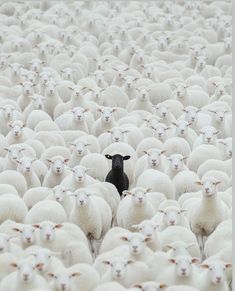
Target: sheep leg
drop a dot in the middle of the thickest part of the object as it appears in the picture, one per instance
(201, 246)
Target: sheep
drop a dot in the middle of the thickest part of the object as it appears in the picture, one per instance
(200, 154)
(34, 195)
(25, 278)
(110, 286)
(183, 130)
(123, 149)
(25, 167)
(158, 182)
(8, 247)
(214, 274)
(46, 210)
(153, 159)
(117, 176)
(85, 204)
(27, 90)
(125, 271)
(35, 117)
(106, 121)
(198, 209)
(160, 130)
(57, 171)
(5, 262)
(7, 188)
(18, 133)
(77, 179)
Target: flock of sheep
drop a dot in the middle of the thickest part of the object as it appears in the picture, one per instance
(115, 145)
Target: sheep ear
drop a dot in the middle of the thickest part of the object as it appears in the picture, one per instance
(174, 123)
(106, 262)
(183, 210)
(51, 275)
(125, 192)
(138, 286)
(147, 239)
(126, 158)
(217, 182)
(228, 265)
(109, 157)
(36, 225)
(14, 265)
(76, 274)
(161, 286)
(172, 261)
(148, 190)
(130, 262)
(205, 266)
(184, 158)
(199, 183)
(124, 238)
(135, 226)
(162, 152)
(39, 265)
(66, 160)
(195, 260)
(168, 247)
(59, 225)
(49, 161)
(16, 229)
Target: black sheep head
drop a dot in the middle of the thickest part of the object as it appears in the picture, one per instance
(117, 161)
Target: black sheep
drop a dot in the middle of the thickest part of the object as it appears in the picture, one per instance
(117, 176)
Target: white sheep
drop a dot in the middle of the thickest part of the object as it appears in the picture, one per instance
(15, 179)
(25, 278)
(158, 182)
(57, 171)
(105, 122)
(76, 252)
(46, 210)
(18, 133)
(95, 225)
(176, 165)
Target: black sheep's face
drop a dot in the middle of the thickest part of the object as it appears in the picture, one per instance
(117, 161)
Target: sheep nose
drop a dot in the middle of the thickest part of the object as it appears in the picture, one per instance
(48, 236)
(79, 152)
(148, 235)
(118, 272)
(63, 286)
(218, 279)
(164, 114)
(172, 222)
(193, 118)
(81, 202)
(140, 199)
(28, 169)
(135, 248)
(1, 250)
(28, 239)
(182, 131)
(230, 153)
(207, 190)
(116, 139)
(221, 118)
(183, 270)
(26, 276)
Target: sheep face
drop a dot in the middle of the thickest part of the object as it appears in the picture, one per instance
(216, 271)
(154, 157)
(143, 94)
(25, 164)
(201, 62)
(118, 267)
(160, 130)
(27, 88)
(14, 152)
(117, 134)
(16, 128)
(25, 271)
(209, 134)
(50, 88)
(7, 112)
(59, 193)
(219, 115)
(80, 147)
(209, 186)
(27, 234)
(172, 216)
(78, 113)
(117, 161)
(181, 90)
(191, 114)
(137, 243)
(176, 162)
(43, 258)
(183, 265)
(129, 82)
(227, 144)
(48, 231)
(62, 281)
(162, 111)
(38, 101)
(79, 173)
(220, 89)
(57, 164)
(82, 198)
(15, 68)
(181, 128)
(96, 93)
